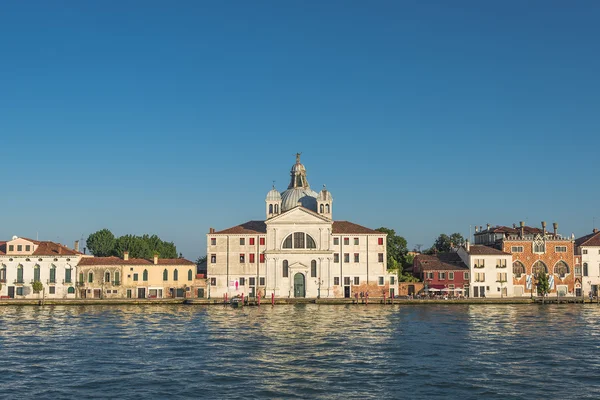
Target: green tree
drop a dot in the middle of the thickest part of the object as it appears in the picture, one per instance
(396, 248)
(101, 243)
(37, 286)
(135, 245)
(201, 260)
(444, 243)
(543, 285)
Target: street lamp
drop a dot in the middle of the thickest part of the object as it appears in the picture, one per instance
(318, 282)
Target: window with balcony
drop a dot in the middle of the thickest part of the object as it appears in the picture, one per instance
(36, 273)
(52, 274)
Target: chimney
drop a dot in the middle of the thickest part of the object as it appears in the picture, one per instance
(488, 227)
(555, 226)
(84, 250)
(155, 258)
(467, 245)
(544, 227)
(480, 228)
(522, 226)
(76, 247)
(211, 230)
(126, 255)
(595, 230)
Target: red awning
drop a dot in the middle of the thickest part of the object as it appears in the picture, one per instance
(436, 286)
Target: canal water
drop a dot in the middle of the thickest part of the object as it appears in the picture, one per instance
(301, 351)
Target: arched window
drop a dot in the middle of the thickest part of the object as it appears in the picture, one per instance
(270, 208)
(276, 208)
(313, 269)
(68, 272)
(190, 275)
(285, 268)
(518, 269)
(322, 208)
(53, 274)
(585, 269)
(71, 290)
(145, 275)
(538, 267)
(327, 208)
(165, 275)
(36, 273)
(91, 277)
(81, 278)
(561, 269)
(20, 274)
(117, 278)
(299, 240)
(3, 274)
(107, 277)
(175, 275)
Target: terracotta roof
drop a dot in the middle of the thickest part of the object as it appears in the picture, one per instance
(529, 230)
(45, 249)
(479, 250)
(349, 227)
(439, 262)
(248, 228)
(593, 239)
(89, 261)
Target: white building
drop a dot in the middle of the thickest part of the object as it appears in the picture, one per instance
(491, 271)
(24, 261)
(298, 251)
(589, 248)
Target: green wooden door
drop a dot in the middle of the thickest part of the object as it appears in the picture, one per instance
(299, 290)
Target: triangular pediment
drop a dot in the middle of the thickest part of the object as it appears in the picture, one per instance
(298, 215)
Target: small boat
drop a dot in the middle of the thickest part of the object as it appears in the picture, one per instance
(237, 302)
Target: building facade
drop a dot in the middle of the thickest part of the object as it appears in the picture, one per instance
(24, 261)
(298, 251)
(588, 248)
(534, 250)
(442, 271)
(136, 278)
(490, 270)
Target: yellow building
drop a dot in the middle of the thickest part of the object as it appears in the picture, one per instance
(114, 277)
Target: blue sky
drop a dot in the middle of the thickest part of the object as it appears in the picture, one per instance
(173, 117)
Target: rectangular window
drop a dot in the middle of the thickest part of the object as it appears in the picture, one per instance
(429, 275)
(500, 263)
(336, 280)
(20, 291)
(242, 258)
(285, 269)
(11, 247)
(466, 276)
(251, 241)
(539, 248)
(346, 257)
(135, 277)
(356, 258)
(380, 257)
(450, 276)
(336, 241)
(357, 280)
(392, 280)
(213, 281)
(299, 240)
(346, 241)
(242, 241)
(252, 258)
(19, 247)
(213, 258)
(479, 263)
(380, 281)
(213, 241)
(261, 241)
(336, 257)
(380, 241)
(516, 249)
(252, 281)
(346, 280)
(262, 258)
(578, 270)
(261, 281)
(560, 249)
(52, 290)
(356, 241)
(501, 277)
(442, 276)
(242, 281)
(27, 247)
(584, 252)
(480, 277)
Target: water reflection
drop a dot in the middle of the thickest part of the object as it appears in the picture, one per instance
(306, 351)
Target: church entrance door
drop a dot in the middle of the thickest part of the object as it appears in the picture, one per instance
(299, 290)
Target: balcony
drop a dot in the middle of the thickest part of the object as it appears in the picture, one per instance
(66, 282)
(80, 283)
(19, 281)
(116, 283)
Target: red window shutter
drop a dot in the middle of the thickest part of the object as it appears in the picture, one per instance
(380, 241)
(262, 241)
(251, 257)
(251, 241)
(262, 258)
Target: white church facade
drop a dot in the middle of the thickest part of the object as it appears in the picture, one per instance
(298, 251)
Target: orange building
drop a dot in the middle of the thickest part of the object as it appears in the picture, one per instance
(534, 250)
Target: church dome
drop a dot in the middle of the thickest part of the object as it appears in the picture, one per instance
(298, 190)
(306, 197)
(273, 195)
